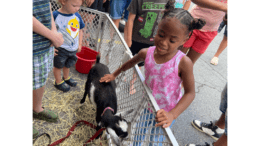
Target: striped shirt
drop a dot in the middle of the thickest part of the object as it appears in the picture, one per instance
(41, 11)
(213, 17)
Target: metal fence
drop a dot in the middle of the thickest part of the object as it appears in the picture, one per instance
(101, 34)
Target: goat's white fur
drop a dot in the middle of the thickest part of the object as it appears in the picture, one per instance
(123, 125)
(92, 89)
(113, 136)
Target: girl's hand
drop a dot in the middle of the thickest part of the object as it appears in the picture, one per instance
(163, 118)
(55, 50)
(107, 78)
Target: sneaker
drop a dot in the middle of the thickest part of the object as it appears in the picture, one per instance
(46, 115)
(62, 86)
(122, 21)
(71, 82)
(206, 144)
(211, 129)
(35, 133)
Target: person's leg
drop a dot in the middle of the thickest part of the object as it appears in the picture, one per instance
(116, 11)
(200, 45)
(42, 65)
(221, 121)
(116, 22)
(59, 63)
(66, 72)
(193, 55)
(222, 141)
(71, 61)
(57, 75)
(37, 99)
(221, 48)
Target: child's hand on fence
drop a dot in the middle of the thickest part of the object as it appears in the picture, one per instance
(107, 78)
(163, 118)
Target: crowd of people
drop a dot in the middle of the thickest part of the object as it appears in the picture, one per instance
(163, 36)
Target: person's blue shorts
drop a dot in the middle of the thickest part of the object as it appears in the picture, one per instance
(117, 8)
(223, 105)
(221, 26)
(148, 128)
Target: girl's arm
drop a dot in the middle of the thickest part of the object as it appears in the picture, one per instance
(129, 64)
(129, 29)
(211, 4)
(186, 72)
(80, 39)
(186, 4)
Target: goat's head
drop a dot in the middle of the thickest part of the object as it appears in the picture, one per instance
(118, 129)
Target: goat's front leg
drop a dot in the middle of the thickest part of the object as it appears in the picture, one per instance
(99, 126)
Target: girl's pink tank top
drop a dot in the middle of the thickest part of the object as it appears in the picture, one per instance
(163, 79)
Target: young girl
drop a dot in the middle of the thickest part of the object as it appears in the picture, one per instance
(166, 67)
(70, 24)
(213, 12)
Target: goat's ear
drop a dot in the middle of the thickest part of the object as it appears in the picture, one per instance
(123, 114)
(121, 117)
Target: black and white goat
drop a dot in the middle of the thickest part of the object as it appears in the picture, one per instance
(103, 96)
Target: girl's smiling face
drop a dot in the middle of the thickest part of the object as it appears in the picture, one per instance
(170, 35)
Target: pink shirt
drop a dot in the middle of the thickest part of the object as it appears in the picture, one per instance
(163, 79)
(213, 17)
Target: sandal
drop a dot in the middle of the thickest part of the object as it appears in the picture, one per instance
(35, 133)
(46, 115)
(62, 86)
(70, 82)
(214, 61)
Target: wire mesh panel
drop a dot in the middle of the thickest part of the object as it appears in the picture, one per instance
(100, 34)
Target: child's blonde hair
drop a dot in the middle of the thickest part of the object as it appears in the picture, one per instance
(59, 2)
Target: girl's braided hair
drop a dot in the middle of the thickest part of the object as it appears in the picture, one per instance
(183, 16)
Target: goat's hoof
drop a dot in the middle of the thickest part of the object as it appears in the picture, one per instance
(82, 101)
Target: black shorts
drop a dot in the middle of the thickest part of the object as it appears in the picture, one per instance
(65, 58)
(136, 47)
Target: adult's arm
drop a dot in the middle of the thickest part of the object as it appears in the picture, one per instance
(186, 4)
(129, 29)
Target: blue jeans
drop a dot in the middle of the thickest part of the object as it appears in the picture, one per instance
(221, 26)
(117, 7)
(143, 128)
(223, 105)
